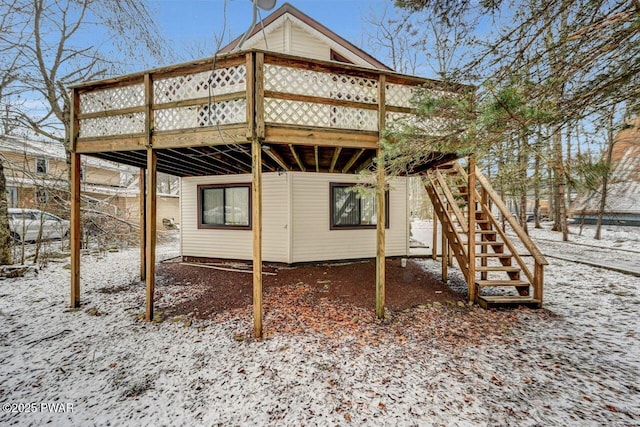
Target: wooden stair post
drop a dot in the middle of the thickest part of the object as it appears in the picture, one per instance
(471, 209)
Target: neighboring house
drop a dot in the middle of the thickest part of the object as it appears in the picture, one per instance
(623, 190)
(306, 216)
(36, 174)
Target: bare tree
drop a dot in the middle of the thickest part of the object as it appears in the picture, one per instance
(5, 231)
(54, 53)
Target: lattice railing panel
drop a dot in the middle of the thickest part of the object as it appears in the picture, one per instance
(112, 125)
(112, 99)
(200, 85)
(321, 115)
(315, 83)
(400, 95)
(430, 126)
(222, 113)
(354, 118)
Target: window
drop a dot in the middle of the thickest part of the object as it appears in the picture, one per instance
(42, 197)
(41, 165)
(224, 206)
(349, 209)
(12, 197)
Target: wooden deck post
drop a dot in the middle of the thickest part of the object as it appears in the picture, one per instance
(471, 192)
(256, 218)
(150, 227)
(434, 243)
(381, 215)
(445, 256)
(75, 234)
(142, 183)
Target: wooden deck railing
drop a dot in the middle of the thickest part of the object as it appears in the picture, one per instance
(269, 93)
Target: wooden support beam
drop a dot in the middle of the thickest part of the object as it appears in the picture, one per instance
(75, 232)
(352, 160)
(150, 250)
(471, 206)
(256, 218)
(434, 243)
(142, 183)
(381, 214)
(484, 249)
(324, 137)
(315, 155)
(445, 255)
(380, 237)
(295, 156)
(270, 151)
(334, 160)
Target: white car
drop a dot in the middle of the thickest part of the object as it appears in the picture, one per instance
(25, 225)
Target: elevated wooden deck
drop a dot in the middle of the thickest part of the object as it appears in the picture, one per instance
(244, 112)
(200, 117)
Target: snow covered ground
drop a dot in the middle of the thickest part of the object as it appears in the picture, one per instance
(575, 363)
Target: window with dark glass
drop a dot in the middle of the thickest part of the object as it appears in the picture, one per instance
(41, 165)
(350, 209)
(222, 206)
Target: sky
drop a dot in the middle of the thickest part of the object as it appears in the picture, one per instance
(185, 23)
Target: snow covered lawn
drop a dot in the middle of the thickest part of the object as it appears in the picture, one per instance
(575, 363)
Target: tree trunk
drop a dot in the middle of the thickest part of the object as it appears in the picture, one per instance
(560, 221)
(5, 231)
(536, 186)
(605, 178)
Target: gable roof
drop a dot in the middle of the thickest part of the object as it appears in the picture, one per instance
(286, 8)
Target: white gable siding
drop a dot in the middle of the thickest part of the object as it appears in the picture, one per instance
(312, 238)
(289, 35)
(308, 46)
(237, 244)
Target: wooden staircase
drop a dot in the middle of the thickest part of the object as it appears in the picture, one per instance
(500, 269)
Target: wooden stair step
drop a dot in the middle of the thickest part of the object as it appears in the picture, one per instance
(486, 232)
(506, 268)
(491, 301)
(493, 255)
(489, 243)
(486, 283)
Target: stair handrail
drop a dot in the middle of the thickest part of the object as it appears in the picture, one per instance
(522, 235)
(462, 262)
(495, 198)
(454, 206)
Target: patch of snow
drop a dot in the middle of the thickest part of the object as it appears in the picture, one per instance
(576, 364)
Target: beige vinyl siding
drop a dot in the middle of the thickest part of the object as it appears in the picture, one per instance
(237, 244)
(306, 45)
(288, 37)
(312, 238)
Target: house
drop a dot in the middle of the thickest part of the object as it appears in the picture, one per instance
(37, 177)
(269, 144)
(306, 216)
(623, 190)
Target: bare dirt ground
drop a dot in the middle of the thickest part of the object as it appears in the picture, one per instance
(333, 299)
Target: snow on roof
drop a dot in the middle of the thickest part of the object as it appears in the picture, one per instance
(54, 150)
